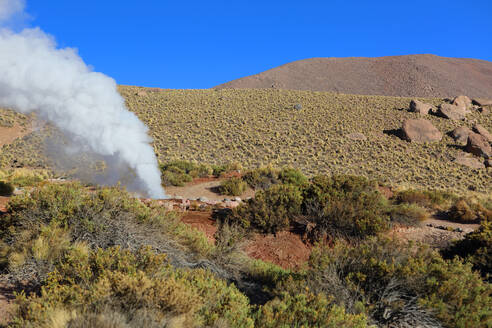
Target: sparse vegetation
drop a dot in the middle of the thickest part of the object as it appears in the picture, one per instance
(199, 125)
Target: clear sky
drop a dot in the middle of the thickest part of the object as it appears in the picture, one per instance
(200, 44)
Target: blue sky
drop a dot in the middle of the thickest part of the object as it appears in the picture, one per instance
(200, 44)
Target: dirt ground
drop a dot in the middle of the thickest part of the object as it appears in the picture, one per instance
(286, 249)
(7, 135)
(201, 221)
(435, 237)
(197, 189)
(6, 298)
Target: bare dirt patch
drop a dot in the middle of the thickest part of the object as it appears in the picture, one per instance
(201, 221)
(434, 232)
(6, 299)
(197, 189)
(9, 134)
(285, 249)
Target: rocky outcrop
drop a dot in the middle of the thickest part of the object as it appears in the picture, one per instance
(420, 130)
(478, 145)
(471, 162)
(420, 107)
(452, 112)
(460, 134)
(483, 132)
(462, 102)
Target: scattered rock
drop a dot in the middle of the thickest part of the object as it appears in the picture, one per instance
(482, 102)
(420, 107)
(460, 134)
(297, 106)
(483, 132)
(488, 162)
(203, 199)
(484, 110)
(420, 130)
(462, 102)
(356, 136)
(452, 112)
(478, 145)
(238, 199)
(471, 162)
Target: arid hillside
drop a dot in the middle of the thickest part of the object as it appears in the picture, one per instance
(401, 76)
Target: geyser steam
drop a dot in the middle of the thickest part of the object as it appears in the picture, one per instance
(58, 86)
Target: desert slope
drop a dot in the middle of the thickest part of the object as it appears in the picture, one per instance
(402, 76)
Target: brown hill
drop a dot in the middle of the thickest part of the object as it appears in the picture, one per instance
(403, 76)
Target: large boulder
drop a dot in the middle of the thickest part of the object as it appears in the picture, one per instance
(420, 107)
(462, 102)
(483, 132)
(478, 145)
(420, 130)
(452, 112)
(460, 134)
(471, 162)
(482, 102)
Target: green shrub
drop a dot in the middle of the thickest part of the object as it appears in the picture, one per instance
(476, 248)
(344, 206)
(233, 187)
(399, 285)
(435, 199)
(131, 284)
(271, 210)
(103, 218)
(293, 176)
(407, 214)
(6, 189)
(469, 210)
(262, 178)
(178, 173)
(306, 310)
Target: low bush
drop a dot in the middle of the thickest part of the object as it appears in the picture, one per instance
(88, 284)
(469, 210)
(435, 199)
(344, 206)
(271, 210)
(396, 285)
(264, 177)
(6, 189)
(306, 310)
(407, 214)
(233, 187)
(178, 173)
(476, 248)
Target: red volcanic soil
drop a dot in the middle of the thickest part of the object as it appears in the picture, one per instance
(402, 76)
(286, 249)
(201, 221)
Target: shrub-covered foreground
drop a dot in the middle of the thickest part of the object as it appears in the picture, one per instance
(101, 258)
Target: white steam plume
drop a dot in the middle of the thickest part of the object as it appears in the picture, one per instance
(56, 84)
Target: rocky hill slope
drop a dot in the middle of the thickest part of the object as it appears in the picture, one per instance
(403, 76)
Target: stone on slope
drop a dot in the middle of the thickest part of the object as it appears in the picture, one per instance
(420, 107)
(462, 102)
(471, 162)
(478, 145)
(420, 130)
(460, 134)
(356, 136)
(482, 102)
(484, 110)
(452, 112)
(483, 132)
